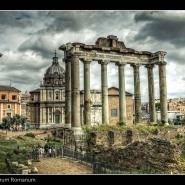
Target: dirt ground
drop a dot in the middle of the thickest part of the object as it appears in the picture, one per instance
(61, 166)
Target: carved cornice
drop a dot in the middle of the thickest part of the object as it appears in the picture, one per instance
(157, 57)
(112, 50)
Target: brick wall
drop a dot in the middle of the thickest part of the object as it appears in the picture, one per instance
(114, 104)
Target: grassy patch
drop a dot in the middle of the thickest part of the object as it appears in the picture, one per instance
(30, 134)
(179, 141)
(182, 157)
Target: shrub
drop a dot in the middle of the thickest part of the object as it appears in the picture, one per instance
(30, 135)
(121, 123)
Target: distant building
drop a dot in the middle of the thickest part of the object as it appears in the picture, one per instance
(25, 98)
(47, 102)
(9, 101)
(171, 115)
(96, 107)
(177, 104)
(113, 99)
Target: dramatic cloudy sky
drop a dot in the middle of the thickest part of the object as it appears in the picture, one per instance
(28, 40)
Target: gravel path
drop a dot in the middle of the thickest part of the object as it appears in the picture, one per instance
(61, 166)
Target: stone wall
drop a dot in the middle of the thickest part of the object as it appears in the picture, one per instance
(139, 149)
(16, 168)
(113, 99)
(38, 133)
(154, 154)
(114, 138)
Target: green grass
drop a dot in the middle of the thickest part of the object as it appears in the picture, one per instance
(144, 129)
(182, 158)
(7, 147)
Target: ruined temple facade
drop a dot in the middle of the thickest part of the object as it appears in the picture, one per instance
(104, 51)
(47, 102)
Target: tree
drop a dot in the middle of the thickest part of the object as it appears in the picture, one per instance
(16, 120)
(157, 106)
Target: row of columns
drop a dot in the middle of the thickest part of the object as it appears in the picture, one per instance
(72, 114)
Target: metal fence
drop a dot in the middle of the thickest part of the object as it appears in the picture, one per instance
(98, 166)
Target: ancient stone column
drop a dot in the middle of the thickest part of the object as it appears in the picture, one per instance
(67, 93)
(75, 87)
(151, 93)
(122, 97)
(137, 93)
(104, 89)
(87, 94)
(163, 93)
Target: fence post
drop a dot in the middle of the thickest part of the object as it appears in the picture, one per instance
(96, 168)
(62, 151)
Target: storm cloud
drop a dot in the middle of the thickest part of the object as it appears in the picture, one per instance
(162, 26)
(30, 38)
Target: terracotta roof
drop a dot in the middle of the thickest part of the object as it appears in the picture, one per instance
(8, 88)
(36, 90)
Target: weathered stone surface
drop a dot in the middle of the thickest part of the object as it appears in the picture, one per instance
(15, 164)
(154, 154)
(29, 162)
(34, 170)
(25, 172)
(20, 165)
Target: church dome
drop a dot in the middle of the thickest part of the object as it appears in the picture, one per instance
(55, 74)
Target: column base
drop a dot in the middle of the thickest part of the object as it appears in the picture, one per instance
(79, 139)
(67, 125)
(152, 123)
(77, 130)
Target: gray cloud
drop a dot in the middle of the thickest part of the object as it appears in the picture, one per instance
(29, 38)
(75, 21)
(16, 19)
(161, 26)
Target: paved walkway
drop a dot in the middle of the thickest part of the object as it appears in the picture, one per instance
(61, 166)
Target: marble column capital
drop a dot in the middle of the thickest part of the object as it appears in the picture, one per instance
(120, 64)
(86, 61)
(136, 65)
(104, 62)
(66, 60)
(74, 54)
(161, 63)
(151, 66)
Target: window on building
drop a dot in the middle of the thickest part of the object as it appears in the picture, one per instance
(3, 96)
(8, 106)
(57, 96)
(113, 112)
(49, 94)
(14, 97)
